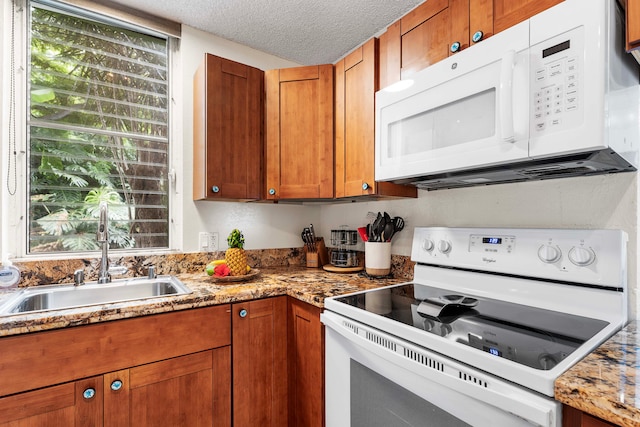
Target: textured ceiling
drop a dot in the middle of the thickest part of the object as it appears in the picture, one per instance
(304, 31)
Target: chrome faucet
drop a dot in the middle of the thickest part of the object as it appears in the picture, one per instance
(103, 238)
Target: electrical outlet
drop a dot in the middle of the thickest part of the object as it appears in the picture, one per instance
(208, 241)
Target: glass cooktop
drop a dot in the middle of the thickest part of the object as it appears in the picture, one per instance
(530, 336)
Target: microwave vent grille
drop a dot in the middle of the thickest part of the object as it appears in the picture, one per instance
(582, 164)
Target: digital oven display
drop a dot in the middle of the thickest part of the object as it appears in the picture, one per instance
(492, 240)
(492, 350)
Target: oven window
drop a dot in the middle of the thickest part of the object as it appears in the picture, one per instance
(379, 402)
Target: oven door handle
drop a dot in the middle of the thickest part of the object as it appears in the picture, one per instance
(498, 393)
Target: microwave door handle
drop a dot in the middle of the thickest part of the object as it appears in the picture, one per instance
(506, 96)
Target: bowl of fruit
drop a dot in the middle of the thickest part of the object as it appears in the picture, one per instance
(234, 267)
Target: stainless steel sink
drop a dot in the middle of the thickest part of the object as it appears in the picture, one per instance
(58, 297)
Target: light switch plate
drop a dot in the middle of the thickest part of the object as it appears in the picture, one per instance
(208, 241)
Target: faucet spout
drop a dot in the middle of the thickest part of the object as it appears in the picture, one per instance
(102, 236)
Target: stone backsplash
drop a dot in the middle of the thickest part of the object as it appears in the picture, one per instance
(45, 272)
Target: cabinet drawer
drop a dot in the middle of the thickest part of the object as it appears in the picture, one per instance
(52, 357)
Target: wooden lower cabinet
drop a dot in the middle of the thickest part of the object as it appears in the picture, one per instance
(259, 342)
(57, 406)
(178, 373)
(306, 365)
(264, 366)
(192, 390)
(572, 417)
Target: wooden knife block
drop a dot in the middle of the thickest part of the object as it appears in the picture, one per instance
(319, 258)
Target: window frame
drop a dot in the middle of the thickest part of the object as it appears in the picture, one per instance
(14, 238)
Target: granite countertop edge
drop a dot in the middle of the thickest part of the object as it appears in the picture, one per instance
(603, 384)
(308, 285)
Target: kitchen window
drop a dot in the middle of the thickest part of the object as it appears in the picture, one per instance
(97, 129)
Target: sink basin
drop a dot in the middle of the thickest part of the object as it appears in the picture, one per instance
(58, 297)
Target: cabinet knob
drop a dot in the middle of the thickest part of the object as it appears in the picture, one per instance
(477, 36)
(215, 189)
(116, 385)
(243, 313)
(89, 393)
(365, 186)
(455, 46)
(272, 191)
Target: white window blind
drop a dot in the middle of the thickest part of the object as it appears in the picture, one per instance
(98, 130)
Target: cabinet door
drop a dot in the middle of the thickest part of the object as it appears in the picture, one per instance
(260, 362)
(510, 12)
(423, 37)
(633, 24)
(356, 84)
(299, 122)
(227, 152)
(65, 405)
(572, 417)
(192, 390)
(306, 365)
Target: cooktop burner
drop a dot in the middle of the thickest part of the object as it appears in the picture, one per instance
(530, 336)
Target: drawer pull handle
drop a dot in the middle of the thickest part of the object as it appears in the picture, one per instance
(215, 189)
(116, 385)
(243, 313)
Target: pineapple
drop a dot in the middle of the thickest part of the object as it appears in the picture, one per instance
(235, 255)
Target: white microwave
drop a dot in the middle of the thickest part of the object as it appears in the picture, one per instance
(555, 95)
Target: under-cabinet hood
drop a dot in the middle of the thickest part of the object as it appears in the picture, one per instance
(581, 164)
(554, 96)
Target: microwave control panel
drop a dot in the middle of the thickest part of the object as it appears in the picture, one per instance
(557, 83)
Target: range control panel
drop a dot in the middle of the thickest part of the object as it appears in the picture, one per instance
(596, 257)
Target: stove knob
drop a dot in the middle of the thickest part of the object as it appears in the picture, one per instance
(445, 329)
(549, 254)
(428, 324)
(427, 245)
(582, 256)
(444, 246)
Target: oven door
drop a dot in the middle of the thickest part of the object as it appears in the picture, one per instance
(377, 380)
(469, 110)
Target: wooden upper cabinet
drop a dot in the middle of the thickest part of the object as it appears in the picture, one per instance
(423, 37)
(356, 84)
(507, 13)
(299, 128)
(426, 35)
(227, 131)
(428, 31)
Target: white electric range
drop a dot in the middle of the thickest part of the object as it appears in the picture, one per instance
(491, 319)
